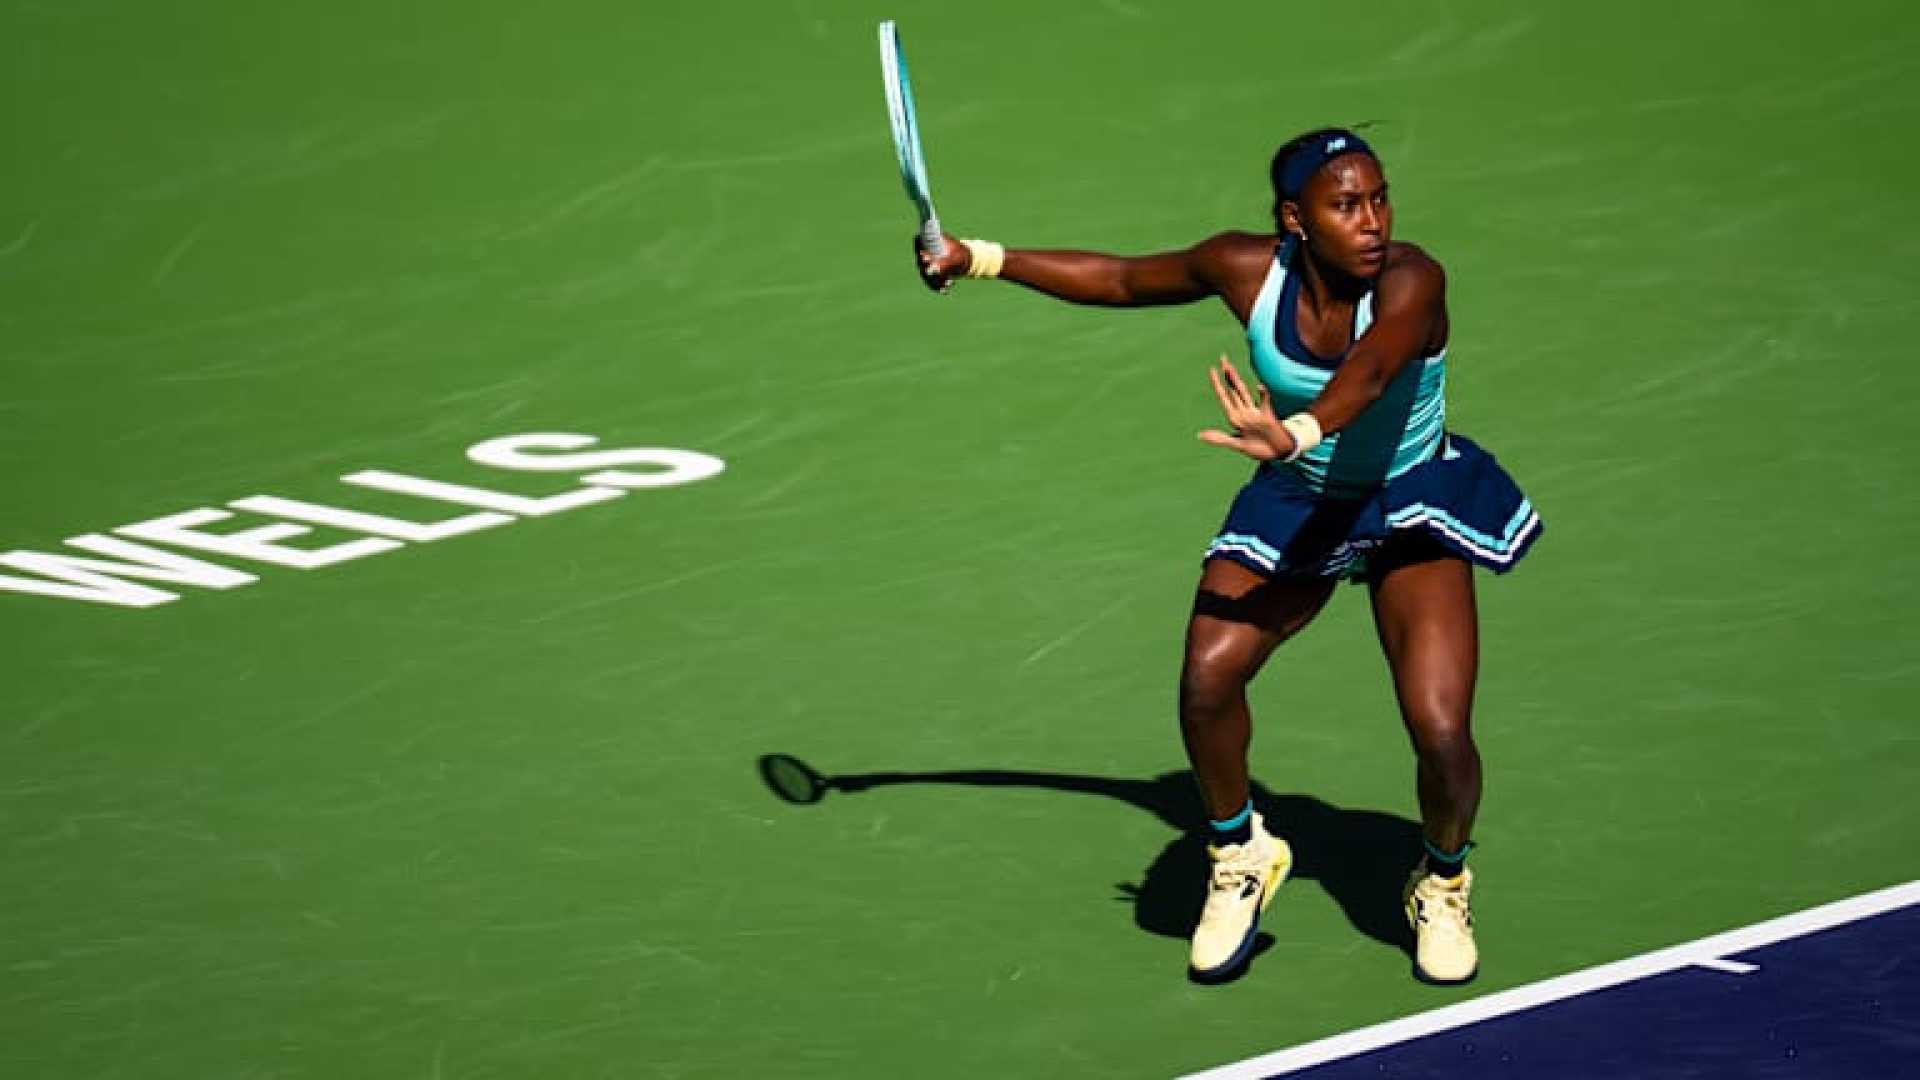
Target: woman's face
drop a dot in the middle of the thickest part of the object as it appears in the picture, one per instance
(1346, 216)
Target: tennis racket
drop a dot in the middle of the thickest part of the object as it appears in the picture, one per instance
(906, 136)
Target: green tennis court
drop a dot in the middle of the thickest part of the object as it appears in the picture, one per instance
(490, 806)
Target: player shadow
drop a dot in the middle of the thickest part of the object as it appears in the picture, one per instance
(1359, 857)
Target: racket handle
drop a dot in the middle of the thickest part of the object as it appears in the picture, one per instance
(930, 238)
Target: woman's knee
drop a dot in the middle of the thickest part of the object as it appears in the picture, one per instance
(1440, 728)
(1212, 680)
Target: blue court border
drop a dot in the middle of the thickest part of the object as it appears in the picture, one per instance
(1709, 952)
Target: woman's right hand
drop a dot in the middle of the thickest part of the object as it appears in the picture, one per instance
(938, 271)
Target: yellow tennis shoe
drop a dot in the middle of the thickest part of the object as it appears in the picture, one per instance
(1442, 919)
(1240, 887)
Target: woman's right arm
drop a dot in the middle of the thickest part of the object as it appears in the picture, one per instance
(1087, 277)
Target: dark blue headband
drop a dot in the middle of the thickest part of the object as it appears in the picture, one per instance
(1308, 157)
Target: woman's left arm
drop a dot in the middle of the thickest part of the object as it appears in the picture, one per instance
(1413, 309)
(1412, 298)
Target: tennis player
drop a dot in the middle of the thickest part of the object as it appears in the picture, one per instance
(1358, 478)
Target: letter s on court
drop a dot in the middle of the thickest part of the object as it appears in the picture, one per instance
(672, 467)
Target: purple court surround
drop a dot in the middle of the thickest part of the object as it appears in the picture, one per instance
(1833, 991)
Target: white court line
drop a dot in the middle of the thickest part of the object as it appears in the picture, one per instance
(1707, 951)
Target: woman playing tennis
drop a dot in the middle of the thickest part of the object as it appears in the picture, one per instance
(1358, 478)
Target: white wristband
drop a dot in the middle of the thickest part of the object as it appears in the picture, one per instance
(984, 258)
(1305, 429)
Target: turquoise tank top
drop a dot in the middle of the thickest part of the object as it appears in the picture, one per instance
(1400, 430)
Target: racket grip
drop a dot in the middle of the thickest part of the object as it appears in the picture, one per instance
(930, 238)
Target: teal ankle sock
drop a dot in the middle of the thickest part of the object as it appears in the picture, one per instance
(1446, 865)
(1237, 829)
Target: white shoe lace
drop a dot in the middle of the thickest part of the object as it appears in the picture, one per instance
(1445, 908)
(1232, 866)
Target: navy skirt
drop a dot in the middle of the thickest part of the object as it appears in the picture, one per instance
(1460, 499)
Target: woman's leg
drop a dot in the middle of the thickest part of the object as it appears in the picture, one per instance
(1429, 630)
(1238, 619)
(1424, 610)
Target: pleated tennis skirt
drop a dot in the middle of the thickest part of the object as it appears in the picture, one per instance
(1460, 499)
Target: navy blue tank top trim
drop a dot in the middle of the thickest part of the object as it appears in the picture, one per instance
(1286, 330)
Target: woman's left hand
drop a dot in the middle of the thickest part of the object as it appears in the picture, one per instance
(1256, 431)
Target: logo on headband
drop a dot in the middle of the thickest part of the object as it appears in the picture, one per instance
(1307, 159)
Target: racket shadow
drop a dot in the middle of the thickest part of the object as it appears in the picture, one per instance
(1359, 857)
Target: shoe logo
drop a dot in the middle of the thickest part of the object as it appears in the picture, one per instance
(1250, 888)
